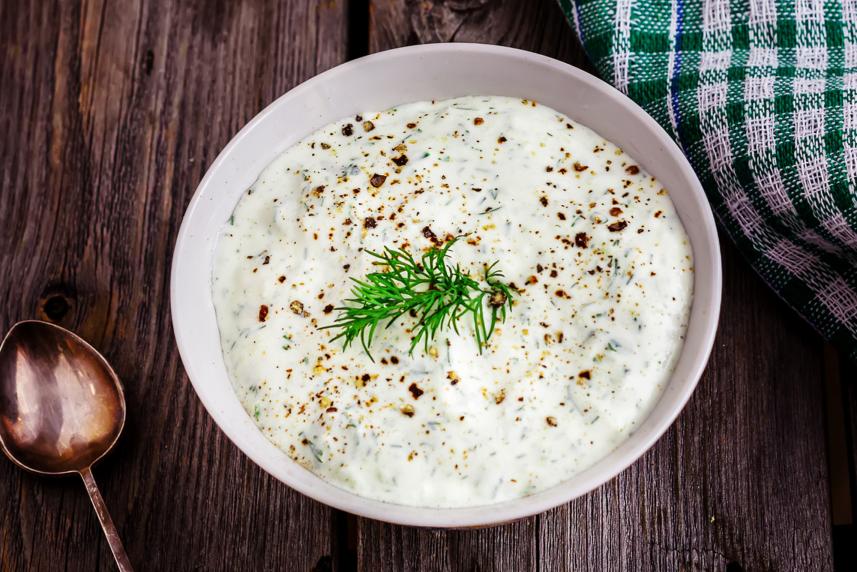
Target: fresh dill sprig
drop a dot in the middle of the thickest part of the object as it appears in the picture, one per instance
(430, 290)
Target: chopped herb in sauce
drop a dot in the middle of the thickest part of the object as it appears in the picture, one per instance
(599, 314)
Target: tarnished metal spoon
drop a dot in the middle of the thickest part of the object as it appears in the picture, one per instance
(61, 409)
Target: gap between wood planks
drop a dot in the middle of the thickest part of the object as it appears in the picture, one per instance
(840, 487)
(839, 386)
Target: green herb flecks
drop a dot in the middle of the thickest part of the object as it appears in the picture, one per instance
(434, 292)
(314, 449)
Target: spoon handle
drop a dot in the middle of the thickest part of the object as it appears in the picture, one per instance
(106, 522)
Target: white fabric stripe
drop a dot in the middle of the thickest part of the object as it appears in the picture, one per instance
(809, 10)
(841, 300)
(838, 227)
(763, 12)
(671, 67)
(851, 162)
(810, 113)
(759, 88)
(760, 127)
(833, 292)
(715, 16)
(849, 135)
(711, 99)
(762, 57)
(849, 11)
(622, 44)
(774, 191)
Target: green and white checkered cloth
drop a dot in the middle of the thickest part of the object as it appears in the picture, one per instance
(761, 95)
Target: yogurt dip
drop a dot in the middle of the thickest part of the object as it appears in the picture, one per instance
(589, 242)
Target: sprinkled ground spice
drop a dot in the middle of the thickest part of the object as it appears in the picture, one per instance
(415, 390)
(581, 358)
(297, 307)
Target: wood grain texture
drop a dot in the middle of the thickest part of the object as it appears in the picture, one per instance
(842, 454)
(738, 483)
(536, 25)
(847, 376)
(110, 113)
(109, 116)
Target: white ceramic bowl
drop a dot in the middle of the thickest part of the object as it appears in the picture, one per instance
(378, 82)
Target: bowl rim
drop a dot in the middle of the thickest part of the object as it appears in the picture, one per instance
(512, 509)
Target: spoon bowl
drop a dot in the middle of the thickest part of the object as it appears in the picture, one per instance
(62, 408)
(61, 405)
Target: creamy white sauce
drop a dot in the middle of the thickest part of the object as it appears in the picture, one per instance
(593, 244)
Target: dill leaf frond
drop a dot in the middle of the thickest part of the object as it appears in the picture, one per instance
(430, 290)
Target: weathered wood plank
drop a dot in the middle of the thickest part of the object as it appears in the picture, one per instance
(843, 402)
(387, 547)
(110, 113)
(840, 378)
(740, 481)
(536, 26)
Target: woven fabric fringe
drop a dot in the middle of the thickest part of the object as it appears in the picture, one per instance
(761, 95)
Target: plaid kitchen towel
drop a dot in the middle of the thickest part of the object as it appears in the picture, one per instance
(761, 95)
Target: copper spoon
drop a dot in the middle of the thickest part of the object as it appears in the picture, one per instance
(61, 409)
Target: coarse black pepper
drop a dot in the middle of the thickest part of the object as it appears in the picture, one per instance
(415, 390)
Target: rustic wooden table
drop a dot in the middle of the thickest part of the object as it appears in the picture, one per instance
(110, 114)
